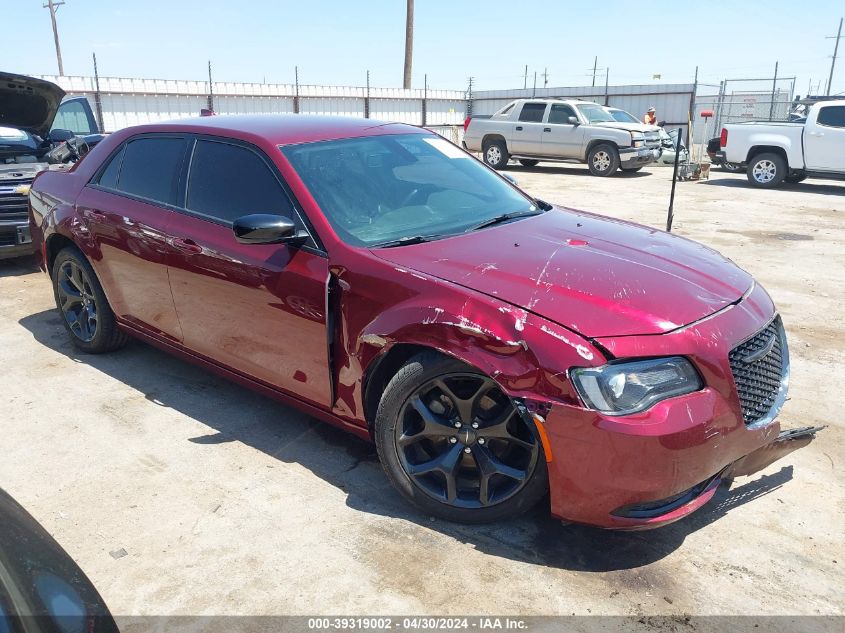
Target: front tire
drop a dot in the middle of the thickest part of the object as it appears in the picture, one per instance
(528, 162)
(767, 170)
(603, 159)
(85, 311)
(496, 154)
(454, 445)
(631, 170)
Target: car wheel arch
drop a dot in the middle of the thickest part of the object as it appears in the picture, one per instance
(766, 149)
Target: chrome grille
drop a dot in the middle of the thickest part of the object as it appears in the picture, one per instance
(13, 205)
(760, 367)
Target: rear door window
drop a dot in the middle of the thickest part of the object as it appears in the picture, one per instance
(833, 116)
(532, 112)
(229, 181)
(151, 169)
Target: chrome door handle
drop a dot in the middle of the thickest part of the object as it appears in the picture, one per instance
(186, 245)
(547, 129)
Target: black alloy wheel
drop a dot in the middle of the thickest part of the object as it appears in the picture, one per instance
(77, 301)
(86, 313)
(454, 444)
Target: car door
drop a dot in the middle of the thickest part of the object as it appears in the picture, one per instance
(528, 130)
(562, 138)
(125, 211)
(258, 309)
(824, 140)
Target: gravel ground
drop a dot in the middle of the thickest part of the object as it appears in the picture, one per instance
(225, 502)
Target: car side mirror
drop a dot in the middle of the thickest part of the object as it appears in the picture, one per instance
(263, 228)
(573, 120)
(58, 135)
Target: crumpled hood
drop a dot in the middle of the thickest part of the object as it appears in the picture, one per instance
(631, 127)
(28, 103)
(594, 275)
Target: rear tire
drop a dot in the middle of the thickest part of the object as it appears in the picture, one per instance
(85, 311)
(767, 170)
(528, 162)
(603, 159)
(489, 467)
(734, 168)
(496, 154)
(795, 178)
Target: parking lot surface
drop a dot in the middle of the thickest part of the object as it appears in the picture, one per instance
(180, 493)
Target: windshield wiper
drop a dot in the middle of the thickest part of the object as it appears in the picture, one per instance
(505, 217)
(405, 241)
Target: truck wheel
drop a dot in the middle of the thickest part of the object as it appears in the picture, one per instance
(496, 154)
(631, 170)
(528, 162)
(767, 170)
(455, 445)
(603, 159)
(85, 311)
(795, 178)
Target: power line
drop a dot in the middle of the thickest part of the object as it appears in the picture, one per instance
(54, 6)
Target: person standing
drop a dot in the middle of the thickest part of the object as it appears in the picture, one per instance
(650, 117)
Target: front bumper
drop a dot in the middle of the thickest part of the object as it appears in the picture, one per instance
(638, 157)
(15, 239)
(655, 467)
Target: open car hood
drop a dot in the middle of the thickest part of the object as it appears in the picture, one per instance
(28, 103)
(594, 275)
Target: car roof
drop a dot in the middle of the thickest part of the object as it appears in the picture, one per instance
(281, 129)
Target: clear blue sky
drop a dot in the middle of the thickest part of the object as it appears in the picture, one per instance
(336, 41)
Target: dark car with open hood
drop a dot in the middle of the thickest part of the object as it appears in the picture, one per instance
(497, 349)
(30, 142)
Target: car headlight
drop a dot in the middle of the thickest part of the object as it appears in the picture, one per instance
(620, 388)
(637, 139)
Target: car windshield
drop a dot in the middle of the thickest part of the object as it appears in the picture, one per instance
(595, 113)
(378, 190)
(623, 117)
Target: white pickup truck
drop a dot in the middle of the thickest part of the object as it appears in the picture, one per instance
(531, 130)
(789, 152)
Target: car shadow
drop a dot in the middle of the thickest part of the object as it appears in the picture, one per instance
(18, 266)
(574, 170)
(236, 414)
(801, 187)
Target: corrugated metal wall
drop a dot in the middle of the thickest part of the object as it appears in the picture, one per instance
(127, 101)
(132, 101)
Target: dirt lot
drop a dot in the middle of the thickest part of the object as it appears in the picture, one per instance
(228, 503)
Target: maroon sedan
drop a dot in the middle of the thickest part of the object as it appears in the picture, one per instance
(495, 348)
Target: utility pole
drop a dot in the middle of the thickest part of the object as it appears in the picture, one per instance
(545, 77)
(54, 6)
(210, 89)
(409, 44)
(534, 92)
(525, 78)
(829, 81)
(774, 88)
(606, 82)
(469, 98)
(595, 65)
